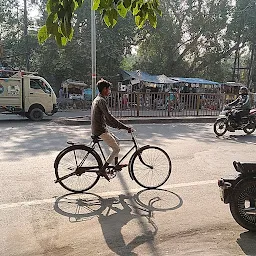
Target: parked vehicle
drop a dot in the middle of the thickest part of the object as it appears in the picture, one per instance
(27, 95)
(226, 122)
(240, 193)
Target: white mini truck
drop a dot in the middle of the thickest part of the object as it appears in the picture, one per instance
(27, 94)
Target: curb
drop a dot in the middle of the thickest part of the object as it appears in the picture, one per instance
(139, 120)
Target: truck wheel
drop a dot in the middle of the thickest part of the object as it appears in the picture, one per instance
(36, 114)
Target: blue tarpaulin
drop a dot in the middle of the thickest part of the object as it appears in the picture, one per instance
(163, 79)
(193, 80)
(143, 76)
(88, 93)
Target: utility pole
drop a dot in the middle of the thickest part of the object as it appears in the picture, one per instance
(26, 34)
(236, 71)
(93, 51)
(250, 71)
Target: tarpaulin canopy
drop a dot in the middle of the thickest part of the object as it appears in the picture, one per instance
(193, 80)
(143, 76)
(70, 82)
(233, 84)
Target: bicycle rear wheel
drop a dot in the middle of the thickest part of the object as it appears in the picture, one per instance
(76, 167)
(151, 167)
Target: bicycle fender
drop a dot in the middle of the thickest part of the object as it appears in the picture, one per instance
(132, 159)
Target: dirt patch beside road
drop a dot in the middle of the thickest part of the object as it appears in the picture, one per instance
(226, 240)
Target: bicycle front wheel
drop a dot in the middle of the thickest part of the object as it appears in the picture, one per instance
(151, 167)
(76, 167)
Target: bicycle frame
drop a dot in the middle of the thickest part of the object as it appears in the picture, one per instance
(96, 141)
(141, 162)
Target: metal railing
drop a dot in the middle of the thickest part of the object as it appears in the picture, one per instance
(139, 104)
(160, 104)
(67, 104)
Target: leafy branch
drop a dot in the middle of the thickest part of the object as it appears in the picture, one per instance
(61, 13)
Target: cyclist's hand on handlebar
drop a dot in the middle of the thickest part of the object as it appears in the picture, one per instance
(130, 129)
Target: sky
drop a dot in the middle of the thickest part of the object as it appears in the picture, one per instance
(32, 11)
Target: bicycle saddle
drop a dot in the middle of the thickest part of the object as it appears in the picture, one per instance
(245, 167)
(96, 138)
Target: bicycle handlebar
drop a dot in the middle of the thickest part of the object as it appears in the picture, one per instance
(131, 131)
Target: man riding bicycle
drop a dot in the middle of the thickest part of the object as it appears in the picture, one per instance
(100, 118)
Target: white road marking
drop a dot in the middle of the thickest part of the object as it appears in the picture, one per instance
(109, 193)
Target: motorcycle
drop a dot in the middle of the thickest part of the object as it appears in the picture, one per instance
(240, 193)
(226, 122)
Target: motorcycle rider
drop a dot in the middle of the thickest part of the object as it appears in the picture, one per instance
(241, 104)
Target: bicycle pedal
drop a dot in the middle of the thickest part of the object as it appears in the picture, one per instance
(110, 172)
(112, 175)
(119, 167)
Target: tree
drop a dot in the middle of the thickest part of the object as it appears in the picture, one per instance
(14, 42)
(61, 15)
(243, 26)
(74, 60)
(9, 25)
(190, 39)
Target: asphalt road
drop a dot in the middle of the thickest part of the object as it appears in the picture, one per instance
(59, 114)
(184, 217)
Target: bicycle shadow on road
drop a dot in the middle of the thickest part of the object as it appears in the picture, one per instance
(247, 242)
(114, 213)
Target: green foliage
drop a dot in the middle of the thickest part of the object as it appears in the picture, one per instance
(61, 13)
(142, 10)
(58, 23)
(190, 40)
(129, 62)
(74, 60)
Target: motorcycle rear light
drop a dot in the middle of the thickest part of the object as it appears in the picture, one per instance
(221, 182)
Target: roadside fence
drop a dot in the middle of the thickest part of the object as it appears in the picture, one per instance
(159, 104)
(68, 104)
(139, 104)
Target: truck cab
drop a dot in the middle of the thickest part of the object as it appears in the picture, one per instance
(27, 95)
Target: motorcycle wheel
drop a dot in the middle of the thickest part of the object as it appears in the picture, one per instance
(220, 127)
(250, 129)
(242, 205)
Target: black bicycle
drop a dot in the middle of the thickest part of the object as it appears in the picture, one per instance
(77, 166)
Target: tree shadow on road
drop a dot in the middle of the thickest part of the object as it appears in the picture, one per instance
(247, 242)
(39, 139)
(114, 213)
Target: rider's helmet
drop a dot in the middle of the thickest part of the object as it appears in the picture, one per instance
(243, 90)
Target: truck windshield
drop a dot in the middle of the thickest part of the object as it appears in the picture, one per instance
(39, 84)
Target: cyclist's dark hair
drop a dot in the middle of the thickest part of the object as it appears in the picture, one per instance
(101, 84)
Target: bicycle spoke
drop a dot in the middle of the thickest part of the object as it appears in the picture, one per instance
(78, 166)
(65, 177)
(151, 167)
